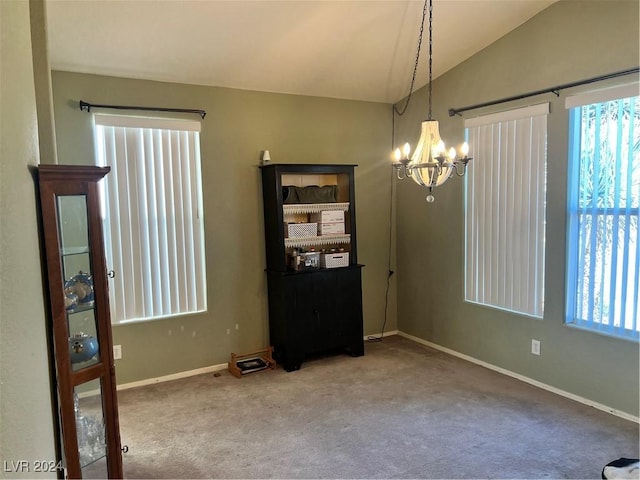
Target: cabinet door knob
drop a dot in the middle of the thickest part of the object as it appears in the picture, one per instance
(111, 274)
(125, 449)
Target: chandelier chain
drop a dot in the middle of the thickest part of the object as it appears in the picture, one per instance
(430, 50)
(431, 164)
(415, 67)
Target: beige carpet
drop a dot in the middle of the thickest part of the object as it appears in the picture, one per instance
(400, 411)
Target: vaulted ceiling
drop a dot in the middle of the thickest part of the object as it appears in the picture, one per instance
(350, 49)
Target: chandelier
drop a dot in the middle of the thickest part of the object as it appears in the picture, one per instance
(431, 164)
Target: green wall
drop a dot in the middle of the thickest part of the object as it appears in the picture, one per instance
(238, 126)
(569, 41)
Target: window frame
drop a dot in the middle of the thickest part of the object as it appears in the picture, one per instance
(573, 210)
(164, 144)
(486, 252)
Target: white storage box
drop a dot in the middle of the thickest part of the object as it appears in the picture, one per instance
(334, 260)
(336, 228)
(327, 216)
(301, 230)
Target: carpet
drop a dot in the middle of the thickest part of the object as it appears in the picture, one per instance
(402, 410)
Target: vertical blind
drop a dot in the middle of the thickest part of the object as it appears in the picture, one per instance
(603, 272)
(153, 222)
(505, 210)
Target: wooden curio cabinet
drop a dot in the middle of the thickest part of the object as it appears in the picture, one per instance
(313, 275)
(80, 324)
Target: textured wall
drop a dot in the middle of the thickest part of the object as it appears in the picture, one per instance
(239, 124)
(569, 41)
(26, 425)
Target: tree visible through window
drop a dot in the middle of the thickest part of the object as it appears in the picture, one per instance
(603, 211)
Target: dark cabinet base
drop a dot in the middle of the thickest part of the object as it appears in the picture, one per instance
(315, 312)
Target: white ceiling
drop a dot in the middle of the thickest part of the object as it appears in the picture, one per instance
(350, 49)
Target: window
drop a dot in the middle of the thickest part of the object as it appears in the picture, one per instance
(153, 221)
(603, 270)
(505, 210)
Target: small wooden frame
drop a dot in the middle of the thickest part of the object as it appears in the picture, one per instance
(242, 364)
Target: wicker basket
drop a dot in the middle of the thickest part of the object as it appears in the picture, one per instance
(301, 230)
(334, 260)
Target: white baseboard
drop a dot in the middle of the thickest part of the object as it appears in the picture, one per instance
(375, 336)
(173, 376)
(209, 369)
(531, 381)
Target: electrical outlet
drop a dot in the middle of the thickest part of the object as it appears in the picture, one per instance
(117, 352)
(535, 347)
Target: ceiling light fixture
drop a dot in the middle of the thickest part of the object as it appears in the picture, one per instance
(430, 165)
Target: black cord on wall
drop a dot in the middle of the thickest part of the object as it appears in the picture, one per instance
(390, 273)
(394, 111)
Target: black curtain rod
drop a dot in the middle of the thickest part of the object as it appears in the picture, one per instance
(555, 90)
(88, 106)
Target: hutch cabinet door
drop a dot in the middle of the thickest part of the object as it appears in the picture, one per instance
(327, 326)
(80, 322)
(348, 295)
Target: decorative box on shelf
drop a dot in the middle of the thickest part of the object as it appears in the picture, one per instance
(333, 228)
(334, 260)
(327, 216)
(302, 230)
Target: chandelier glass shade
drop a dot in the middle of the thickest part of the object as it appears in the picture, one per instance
(430, 165)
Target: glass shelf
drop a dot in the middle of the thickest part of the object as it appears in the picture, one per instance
(74, 251)
(80, 309)
(96, 468)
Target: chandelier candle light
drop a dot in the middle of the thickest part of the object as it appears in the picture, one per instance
(430, 165)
